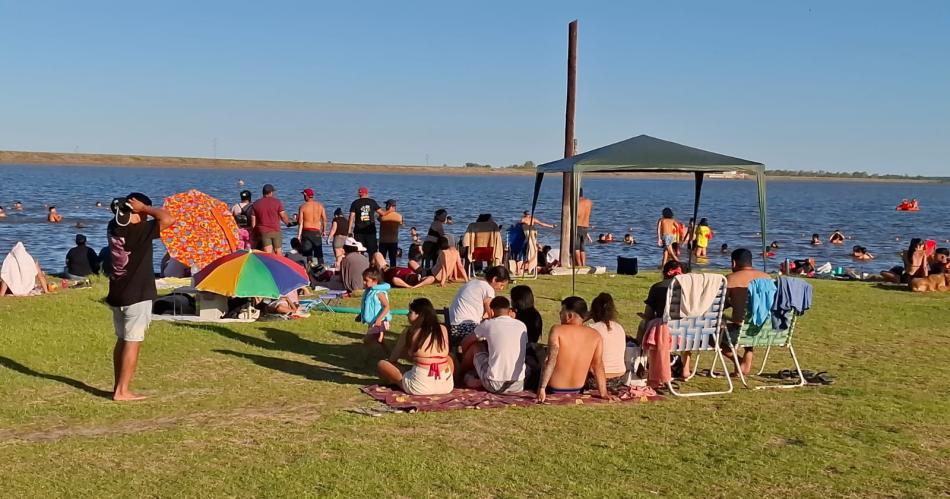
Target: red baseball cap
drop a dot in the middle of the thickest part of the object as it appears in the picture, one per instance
(363, 190)
(307, 192)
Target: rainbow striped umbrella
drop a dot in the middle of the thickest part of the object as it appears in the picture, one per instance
(249, 274)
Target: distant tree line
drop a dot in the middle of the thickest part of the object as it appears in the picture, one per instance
(526, 165)
(856, 174)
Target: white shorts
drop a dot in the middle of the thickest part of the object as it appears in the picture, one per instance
(417, 381)
(483, 368)
(132, 321)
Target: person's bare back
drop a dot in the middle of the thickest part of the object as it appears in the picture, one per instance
(584, 207)
(312, 216)
(579, 352)
(737, 284)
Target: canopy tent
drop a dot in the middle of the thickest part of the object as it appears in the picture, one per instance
(648, 154)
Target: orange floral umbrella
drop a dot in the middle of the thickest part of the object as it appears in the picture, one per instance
(204, 229)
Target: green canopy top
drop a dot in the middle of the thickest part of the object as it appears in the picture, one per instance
(649, 154)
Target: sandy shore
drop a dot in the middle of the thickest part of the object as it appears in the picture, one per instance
(125, 160)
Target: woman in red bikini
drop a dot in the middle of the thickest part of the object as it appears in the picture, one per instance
(426, 344)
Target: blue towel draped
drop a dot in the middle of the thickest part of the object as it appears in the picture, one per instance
(761, 298)
(791, 294)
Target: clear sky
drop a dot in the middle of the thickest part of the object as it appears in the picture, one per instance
(799, 84)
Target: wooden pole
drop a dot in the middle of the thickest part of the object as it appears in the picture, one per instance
(567, 183)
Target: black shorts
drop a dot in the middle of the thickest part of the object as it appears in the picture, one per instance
(368, 240)
(311, 244)
(581, 243)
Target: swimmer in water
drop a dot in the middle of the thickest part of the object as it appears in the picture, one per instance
(836, 237)
(53, 216)
(240, 182)
(861, 253)
(18, 206)
(3, 214)
(815, 240)
(724, 249)
(80, 225)
(629, 240)
(98, 204)
(774, 245)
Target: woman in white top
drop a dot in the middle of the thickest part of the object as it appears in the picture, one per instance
(603, 313)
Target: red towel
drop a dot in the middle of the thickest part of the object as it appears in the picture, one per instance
(658, 343)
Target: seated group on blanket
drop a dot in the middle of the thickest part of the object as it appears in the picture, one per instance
(497, 338)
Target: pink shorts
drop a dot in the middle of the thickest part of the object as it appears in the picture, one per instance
(377, 330)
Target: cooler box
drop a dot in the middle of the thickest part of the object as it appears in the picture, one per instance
(211, 306)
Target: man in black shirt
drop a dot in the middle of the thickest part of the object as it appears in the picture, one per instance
(132, 282)
(81, 261)
(363, 214)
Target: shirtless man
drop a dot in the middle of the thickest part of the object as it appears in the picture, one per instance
(574, 351)
(737, 295)
(312, 228)
(529, 221)
(54, 217)
(667, 233)
(584, 207)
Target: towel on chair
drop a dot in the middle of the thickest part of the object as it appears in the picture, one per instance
(658, 343)
(792, 294)
(697, 292)
(761, 298)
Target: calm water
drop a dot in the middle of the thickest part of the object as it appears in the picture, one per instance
(864, 211)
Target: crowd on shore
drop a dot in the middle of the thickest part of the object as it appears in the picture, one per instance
(487, 340)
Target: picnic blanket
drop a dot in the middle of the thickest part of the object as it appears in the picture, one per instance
(467, 398)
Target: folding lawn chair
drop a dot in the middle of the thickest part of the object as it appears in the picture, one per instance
(696, 334)
(751, 336)
(324, 297)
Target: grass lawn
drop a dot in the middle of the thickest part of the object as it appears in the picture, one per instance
(261, 410)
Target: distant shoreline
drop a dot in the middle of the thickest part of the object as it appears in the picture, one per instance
(14, 158)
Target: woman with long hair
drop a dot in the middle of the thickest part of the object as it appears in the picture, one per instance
(338, 234)
(603, 313)
(426, 343)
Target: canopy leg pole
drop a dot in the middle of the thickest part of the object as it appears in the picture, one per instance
(696, 196)
(567, 186)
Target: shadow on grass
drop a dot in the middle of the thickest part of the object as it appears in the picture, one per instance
(79, 385)
(341, 360)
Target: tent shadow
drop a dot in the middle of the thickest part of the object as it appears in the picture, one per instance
(79, 385)
(303, 369)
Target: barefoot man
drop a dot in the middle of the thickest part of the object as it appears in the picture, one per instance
(584, 206)
(574, 351)
(313, 227)
(132, 282)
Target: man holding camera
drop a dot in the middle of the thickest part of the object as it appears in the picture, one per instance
(132, 282)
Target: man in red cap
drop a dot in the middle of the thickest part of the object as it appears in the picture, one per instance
(312, 228)
(362, 222)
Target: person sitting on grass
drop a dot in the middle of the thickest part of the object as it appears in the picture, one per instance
(494, 355)
(522, 303)
(448, 265)
(472, 303)
(401, 277)
(353, 265)
(915, 264)
(426, 343)
(81, 260)
(655, 302)
(374, 309)
(603, 313)
(574, 351)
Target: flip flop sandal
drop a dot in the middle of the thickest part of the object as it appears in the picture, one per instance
(822, 378)
(787, 374)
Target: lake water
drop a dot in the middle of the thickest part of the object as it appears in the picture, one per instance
(864, 211)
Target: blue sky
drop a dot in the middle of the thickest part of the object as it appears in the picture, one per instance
(801, 85)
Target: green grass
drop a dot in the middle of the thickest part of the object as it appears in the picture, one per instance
(261, 410)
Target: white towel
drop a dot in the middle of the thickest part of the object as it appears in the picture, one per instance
(19, 271)
(698, 292)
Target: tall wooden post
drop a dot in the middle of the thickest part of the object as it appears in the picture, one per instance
(567, 182)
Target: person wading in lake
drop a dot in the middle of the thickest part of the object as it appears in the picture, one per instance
(584, 207)
(312, 228)
(132, 282)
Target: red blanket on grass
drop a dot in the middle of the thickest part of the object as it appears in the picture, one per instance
(467, 398)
